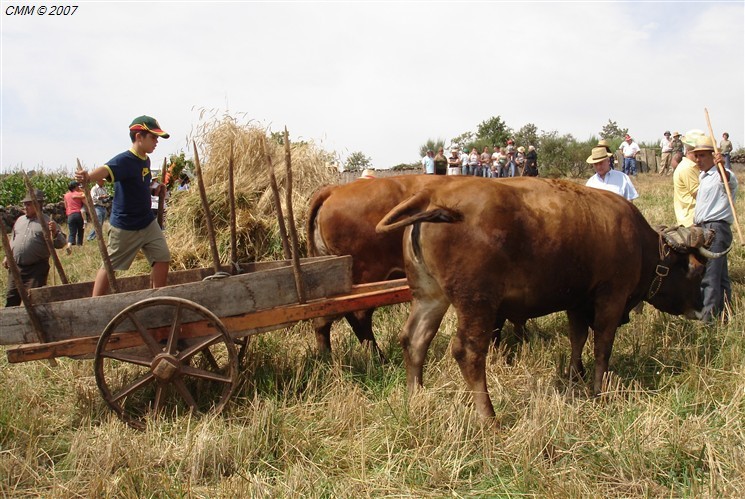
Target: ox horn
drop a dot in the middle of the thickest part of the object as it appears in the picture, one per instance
(711, 255)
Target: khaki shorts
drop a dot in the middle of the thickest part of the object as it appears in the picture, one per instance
(124, 245)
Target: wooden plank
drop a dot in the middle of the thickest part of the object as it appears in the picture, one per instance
(49, 294)
(234, 295)
(361, 297)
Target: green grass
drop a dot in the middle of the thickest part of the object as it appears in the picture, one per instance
(672, 423)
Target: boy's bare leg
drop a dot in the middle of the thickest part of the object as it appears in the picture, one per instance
(159, 274)
(101, 284)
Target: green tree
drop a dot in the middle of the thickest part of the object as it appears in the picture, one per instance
(433, 144)
(357, 161)
(611, 130)
(464, 140)
(527, 136)
(493, 131)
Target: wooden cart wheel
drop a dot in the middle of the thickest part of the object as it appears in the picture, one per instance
(186, 361)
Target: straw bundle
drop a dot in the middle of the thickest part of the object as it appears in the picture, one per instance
(257, 226)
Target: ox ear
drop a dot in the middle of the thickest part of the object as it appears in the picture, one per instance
(695, 266)
(415, 210)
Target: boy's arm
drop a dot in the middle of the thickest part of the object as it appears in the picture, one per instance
(95, 175)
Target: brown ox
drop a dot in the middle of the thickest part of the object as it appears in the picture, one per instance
(527, 247)
(341, 221)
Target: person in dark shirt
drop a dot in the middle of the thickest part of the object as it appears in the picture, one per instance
(133, 225)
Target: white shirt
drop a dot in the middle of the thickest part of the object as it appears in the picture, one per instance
(614, 181)
(666, 145)
(629, 150)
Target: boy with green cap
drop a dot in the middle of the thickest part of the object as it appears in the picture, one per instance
(133, 225)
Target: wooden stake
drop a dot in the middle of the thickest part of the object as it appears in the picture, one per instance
(207, 213)
(299, 286)
(720, 166)
(277, 202)
(25, 299)
(110, 275)
(233, 219)
(162, 196)
(48, 239)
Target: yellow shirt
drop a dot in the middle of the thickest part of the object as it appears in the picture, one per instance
(685, 187)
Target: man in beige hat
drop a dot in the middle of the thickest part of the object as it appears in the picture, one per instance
(713, 211)
(685, 181)
(607, 179)
(604, 143)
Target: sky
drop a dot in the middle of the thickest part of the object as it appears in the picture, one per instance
(376, 77)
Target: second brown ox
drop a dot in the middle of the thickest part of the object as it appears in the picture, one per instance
(528, 247)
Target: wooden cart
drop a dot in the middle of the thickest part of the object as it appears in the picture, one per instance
(173, 349)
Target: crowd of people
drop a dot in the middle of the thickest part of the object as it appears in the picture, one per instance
(496, 162)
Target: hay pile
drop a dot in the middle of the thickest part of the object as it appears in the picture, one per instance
(257, 226)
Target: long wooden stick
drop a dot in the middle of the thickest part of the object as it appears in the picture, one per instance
(233, 218)
(207, 212)
(162, 195)
(720, 166)
(299, 285)
(110, 275)
(48, 239)
(277, 202)
(25, 299)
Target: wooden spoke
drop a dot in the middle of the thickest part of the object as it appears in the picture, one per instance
(128, 358)
(152, 345)
(132, 387)
(185, 393)
(175, 329)
(169, 377)
(204, 374)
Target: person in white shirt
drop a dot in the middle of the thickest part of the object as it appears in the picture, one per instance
(607, 179)
(666, 144)
(630, 149)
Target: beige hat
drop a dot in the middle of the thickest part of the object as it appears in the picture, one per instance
(367, 173)
(521, 149)
(692, 136)
(676, 134)
(704, 143)
(598, 154)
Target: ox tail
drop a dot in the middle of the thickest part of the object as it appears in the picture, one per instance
(417, 209)
(312, 230)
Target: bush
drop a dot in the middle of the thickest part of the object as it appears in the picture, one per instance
(13, 190)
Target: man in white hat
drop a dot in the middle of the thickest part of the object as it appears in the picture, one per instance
(30, 252)
(607, 179)
(713, 211)
(685, 180)
(630, 149)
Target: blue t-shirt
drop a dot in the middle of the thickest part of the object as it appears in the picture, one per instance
(130, 174)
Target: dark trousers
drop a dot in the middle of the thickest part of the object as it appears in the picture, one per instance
(33, 276)
(715, 286)
(75, 224)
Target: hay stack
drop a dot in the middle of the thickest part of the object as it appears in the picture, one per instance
(258, 232)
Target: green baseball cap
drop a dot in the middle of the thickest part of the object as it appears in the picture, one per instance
(148, 123)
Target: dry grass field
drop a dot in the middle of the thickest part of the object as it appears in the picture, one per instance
(671, 423)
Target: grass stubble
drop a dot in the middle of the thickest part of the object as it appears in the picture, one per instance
(671, 423)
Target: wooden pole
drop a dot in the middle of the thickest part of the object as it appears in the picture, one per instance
(25, 298)
(207, 213)
(299, 285)
(162, 195)
(110, 275)
(48, 239)
(277, 202)
(233, 218)
(722, 172)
